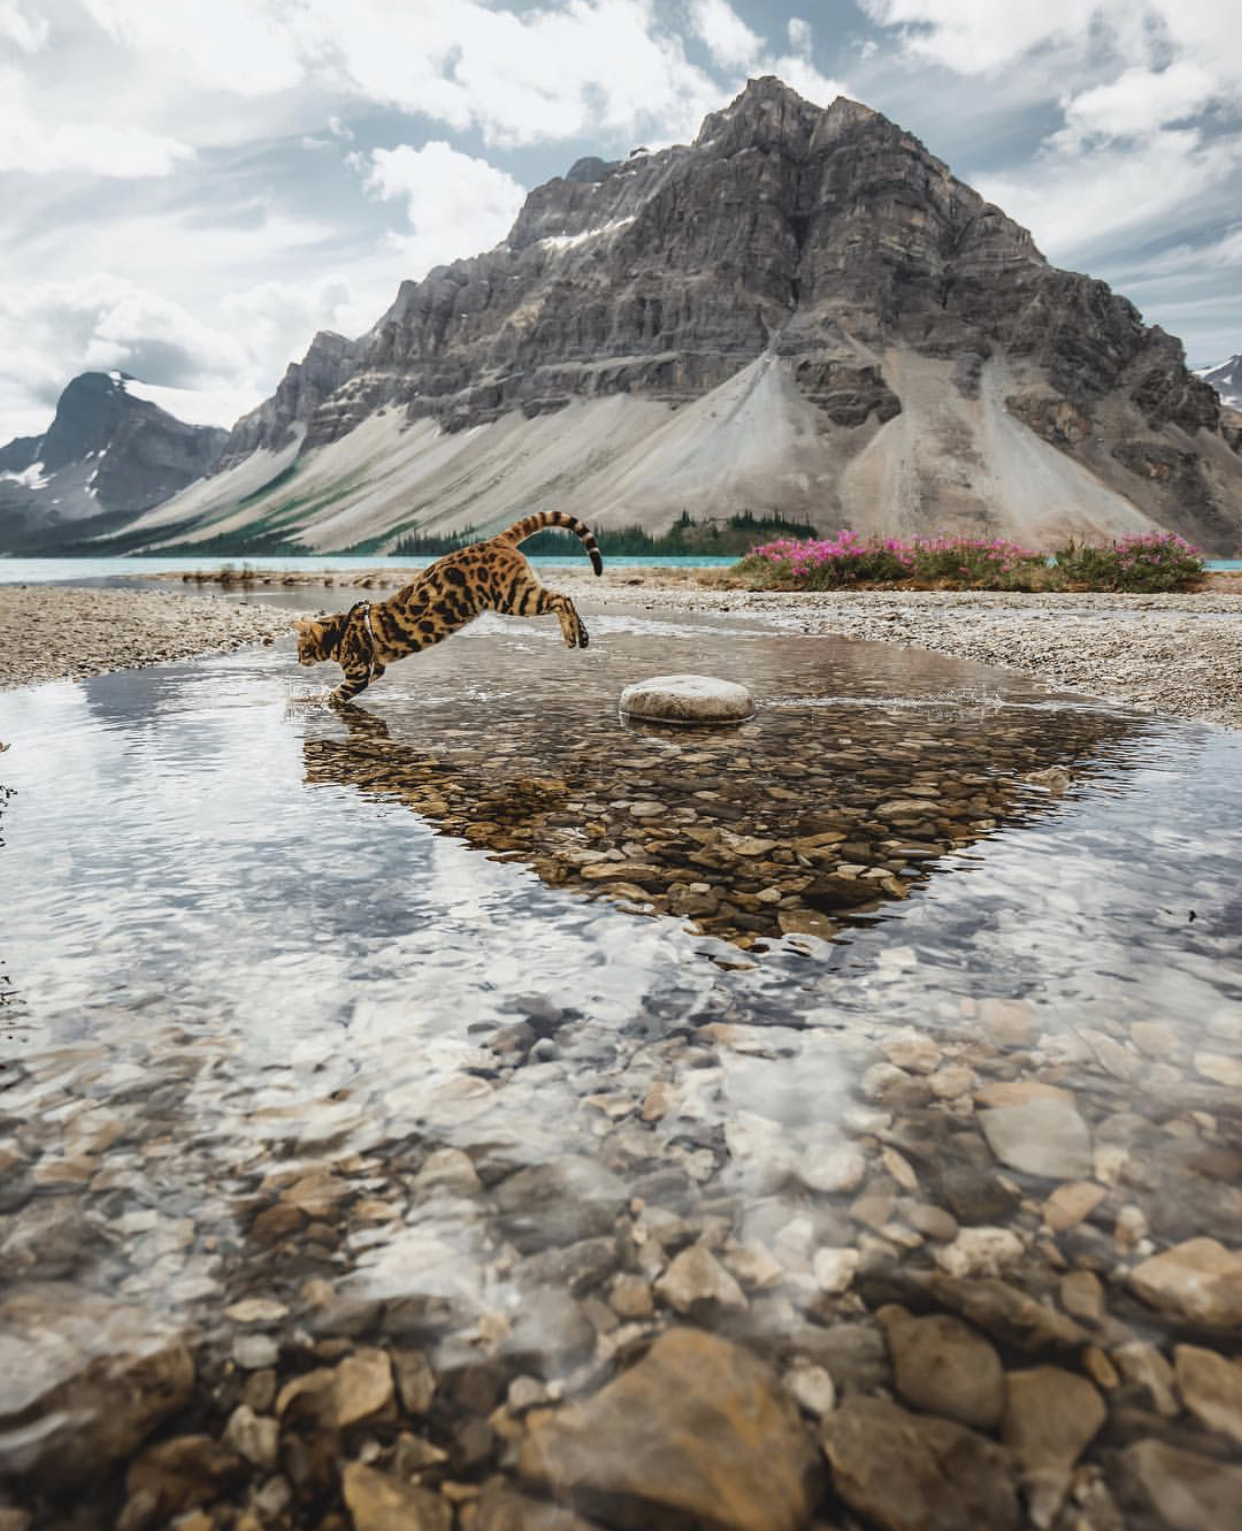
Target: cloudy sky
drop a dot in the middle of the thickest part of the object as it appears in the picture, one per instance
(190, 188)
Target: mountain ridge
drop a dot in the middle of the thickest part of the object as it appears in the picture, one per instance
(107, 456)
(1226, 378)
(918, 360)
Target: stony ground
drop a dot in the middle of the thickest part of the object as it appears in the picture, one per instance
(1180, 655)
(53, 632)
(1003, 1299)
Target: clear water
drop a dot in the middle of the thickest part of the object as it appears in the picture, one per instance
(33, 571)
(247, 942)
(36, 571)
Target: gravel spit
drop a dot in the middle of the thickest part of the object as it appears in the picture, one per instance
(53, 632)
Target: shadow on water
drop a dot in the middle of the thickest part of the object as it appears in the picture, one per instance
(331, 1063)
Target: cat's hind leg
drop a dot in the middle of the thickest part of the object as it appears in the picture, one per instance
(531, 599)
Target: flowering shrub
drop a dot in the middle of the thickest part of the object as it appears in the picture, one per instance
(847, 559)
(827, 563)
(977, 563)
(1154, 561)
(1150, 561)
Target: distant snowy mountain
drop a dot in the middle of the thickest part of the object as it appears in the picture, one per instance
(110, 453)
(1226, 378)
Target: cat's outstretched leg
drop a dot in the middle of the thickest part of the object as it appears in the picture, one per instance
(530, 599)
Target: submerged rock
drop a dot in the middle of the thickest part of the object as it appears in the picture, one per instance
(1051, 1417)
(1199, 1280)
(912, 1472)
(945, 1367)
(699, 1427)
(83, 1380)
(1042, 1136)
(1211, 1386)
(1188, 1491)
(697, 1280)
(379, 1502)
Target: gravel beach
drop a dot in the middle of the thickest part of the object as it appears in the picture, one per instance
(1180, 655)
(50, 632)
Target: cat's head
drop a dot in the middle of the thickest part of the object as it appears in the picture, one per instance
(319, 638)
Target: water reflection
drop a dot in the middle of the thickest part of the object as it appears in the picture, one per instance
(814, 813)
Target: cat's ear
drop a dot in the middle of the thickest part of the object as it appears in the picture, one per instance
(303, 624)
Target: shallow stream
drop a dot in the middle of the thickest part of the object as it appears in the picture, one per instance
(444, 1022)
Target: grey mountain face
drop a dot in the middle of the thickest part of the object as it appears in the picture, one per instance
(841, 329)
(107, 454)
(1226, 378)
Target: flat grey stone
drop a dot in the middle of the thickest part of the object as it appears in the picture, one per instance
(687, 700)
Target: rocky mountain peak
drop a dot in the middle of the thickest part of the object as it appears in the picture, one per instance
(862, 336)
(1226, 378)
(107, 452)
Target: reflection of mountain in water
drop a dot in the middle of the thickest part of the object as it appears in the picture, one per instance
(813, 814)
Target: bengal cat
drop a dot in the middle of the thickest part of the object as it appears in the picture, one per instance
(486, 576)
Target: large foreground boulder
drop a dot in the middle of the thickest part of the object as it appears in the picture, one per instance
(83, 1380)
(698, 1428)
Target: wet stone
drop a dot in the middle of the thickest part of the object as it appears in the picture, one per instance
(177, 1475)
(560, 1202)
(379, 1502)
(687, 699)
(913, 1472)
(1007, 1314)
(83, 1381)
(942, 1366)
(1044, 1136)
(1199, 1281)
(362, 1387)
(1187, 1491)
(696, 1281)
(1211, 1388)
(501, 1507)
(699, 1428)
(1051, 1417)
(253, 1436)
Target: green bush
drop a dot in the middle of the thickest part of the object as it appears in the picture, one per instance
(1150, 561)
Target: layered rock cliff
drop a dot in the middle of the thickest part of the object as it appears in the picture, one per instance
(821, 277)
(106, 454)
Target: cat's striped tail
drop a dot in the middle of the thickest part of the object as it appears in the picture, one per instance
(529, 525)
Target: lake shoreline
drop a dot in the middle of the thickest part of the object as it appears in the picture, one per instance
(59, 632)
(1177, 655)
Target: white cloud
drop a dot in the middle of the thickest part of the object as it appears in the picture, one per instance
(33, 147)
(976, 36)
(25, 32)
(245, 48)
(51, 331)
(1137, 102)
(1074, 203)
(457, 205)
(982, 36)
(728, 39)
(799, 34)
(1135, 80)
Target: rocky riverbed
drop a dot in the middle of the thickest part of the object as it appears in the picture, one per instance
(451, 1114)
(50, 632)
(1180, 655)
